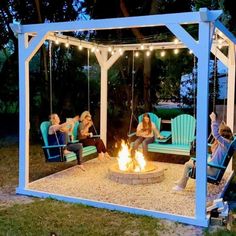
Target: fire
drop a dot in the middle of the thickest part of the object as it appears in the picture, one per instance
(126, 163)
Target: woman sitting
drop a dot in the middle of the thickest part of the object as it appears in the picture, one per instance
(57, 135)
(223, 137)
(146, 132)
(86, 136)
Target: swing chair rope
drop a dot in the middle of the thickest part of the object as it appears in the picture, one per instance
(50, 75)
(132, 96)
(88, 77)
(194, 85)
(214, 84)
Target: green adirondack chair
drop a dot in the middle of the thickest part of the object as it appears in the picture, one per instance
(182, 134)
(221, 168)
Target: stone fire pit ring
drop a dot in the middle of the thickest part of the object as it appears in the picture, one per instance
(155, 174)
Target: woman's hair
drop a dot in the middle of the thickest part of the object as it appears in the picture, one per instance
(149, 125)
(225, 132)
(84, 115)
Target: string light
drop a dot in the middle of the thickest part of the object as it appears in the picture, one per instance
(176, 41)
(148, 53)
(176, 51)
(80, 47)
(136, 54)
(163, 53)
(142, 46)
(67, 43)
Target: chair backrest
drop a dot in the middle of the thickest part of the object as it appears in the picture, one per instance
(183, 129)
(44, 131)
(225, 162)
(75, 131)
(154, 118)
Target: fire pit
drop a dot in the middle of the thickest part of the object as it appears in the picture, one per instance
(134, 170)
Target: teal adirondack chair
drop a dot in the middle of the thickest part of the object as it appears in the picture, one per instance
(182, 133)
(157, 121)
(217, 178)
(154, 118)
(53, 153)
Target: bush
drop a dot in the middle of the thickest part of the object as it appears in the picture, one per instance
(168, 113)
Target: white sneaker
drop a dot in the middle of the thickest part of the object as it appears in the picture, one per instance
(177, 188)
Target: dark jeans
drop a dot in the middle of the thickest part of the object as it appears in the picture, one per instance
(97, 142)
(145, 142)
(77, 148)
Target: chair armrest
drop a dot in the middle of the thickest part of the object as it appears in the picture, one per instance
(54, 146)
(131, 135)
(216, 166)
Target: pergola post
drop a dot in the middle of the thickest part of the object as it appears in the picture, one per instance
(202, 119)
(103, 103)
(231, 85)
(24, 111)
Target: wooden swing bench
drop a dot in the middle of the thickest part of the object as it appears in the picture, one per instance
(178, 140)
(58, 153)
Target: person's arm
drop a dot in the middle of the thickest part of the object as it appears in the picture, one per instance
(84, 130)
(62, 127)
(139, 130)
(156, 132)
(215, 130)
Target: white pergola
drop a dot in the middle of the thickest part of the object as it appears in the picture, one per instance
(31, 37)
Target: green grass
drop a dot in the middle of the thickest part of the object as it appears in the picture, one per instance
(42, 217)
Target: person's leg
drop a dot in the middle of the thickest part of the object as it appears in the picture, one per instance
(77, 148)
(136, 144)
(145, 143)
(185, 176)
(100, 145)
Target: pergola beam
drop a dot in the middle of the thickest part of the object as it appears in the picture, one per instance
(126, 22)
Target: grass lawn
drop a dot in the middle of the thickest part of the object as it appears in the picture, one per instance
(44, 217)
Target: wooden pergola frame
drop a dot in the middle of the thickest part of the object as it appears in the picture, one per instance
(31, 37)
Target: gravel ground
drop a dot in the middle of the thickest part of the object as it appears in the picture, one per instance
(94, 184)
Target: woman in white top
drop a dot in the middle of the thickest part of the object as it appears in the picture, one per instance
(146, 133)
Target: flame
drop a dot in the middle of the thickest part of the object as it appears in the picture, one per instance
(126, 163)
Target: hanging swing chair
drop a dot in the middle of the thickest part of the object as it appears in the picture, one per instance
(154, 118)
(54, 153)
(231, 150)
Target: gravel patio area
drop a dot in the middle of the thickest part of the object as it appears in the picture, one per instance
(94, 184)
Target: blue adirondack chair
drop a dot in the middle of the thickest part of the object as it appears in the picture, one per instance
(182, 134)
(53, 153)
(221, 168)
